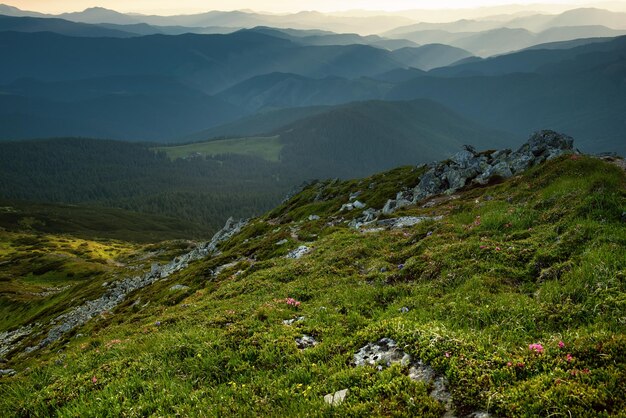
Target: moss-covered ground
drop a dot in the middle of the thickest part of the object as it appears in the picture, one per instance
(537, 259)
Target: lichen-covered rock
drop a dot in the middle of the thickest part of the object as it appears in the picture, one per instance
(384, 352)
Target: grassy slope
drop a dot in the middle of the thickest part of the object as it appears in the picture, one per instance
(537, 259)
(267, 148)
(94, 222)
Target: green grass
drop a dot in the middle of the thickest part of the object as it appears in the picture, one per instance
(536, 259)
(267, 148)
(91, 222)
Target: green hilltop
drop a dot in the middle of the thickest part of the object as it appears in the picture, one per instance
(502, 299)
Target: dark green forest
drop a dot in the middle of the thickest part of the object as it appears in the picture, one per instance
(134, 177)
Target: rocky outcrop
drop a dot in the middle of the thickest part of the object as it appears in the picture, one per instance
(470, 167)
(386, 352)
(117, 291)
(9, 339)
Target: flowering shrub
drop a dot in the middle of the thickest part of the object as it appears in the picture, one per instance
(537, 348)
(292, 302)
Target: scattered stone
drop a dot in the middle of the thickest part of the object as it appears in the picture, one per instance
(282, 242)
(306, 341)
(423, 373)
(178, 287)
(299, 252)
(293, 320)
(406, 221)
(393, 205)
(336, 398)
(314, 218)
(7, 372)
(369, 215)
(346, 207)
(385, 352)
(358, 205)
(355, 195)
(479, 414)
(404, 309)
(223, 267)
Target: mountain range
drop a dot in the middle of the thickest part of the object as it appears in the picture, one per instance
(164, 88)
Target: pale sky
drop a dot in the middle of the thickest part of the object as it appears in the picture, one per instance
(278, 6)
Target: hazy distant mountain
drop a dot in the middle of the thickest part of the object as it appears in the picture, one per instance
(503, 40)
(463, 25)
(14, 11)
(138, 108)
(100, 15)
(581, 91)
(431, 56)
(399, 75)
(576, 17)
(235, 19)
(209, 62)
(145, 29)
(312, 37)
(492, 37)
(532, 60)
(279, 90)
(60, 26)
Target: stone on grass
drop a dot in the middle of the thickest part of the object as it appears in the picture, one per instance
(299, 252)
(306, 341)
(384, 352)
(336, 398)
(293, 320)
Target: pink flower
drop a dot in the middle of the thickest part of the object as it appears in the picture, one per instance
(447, 354)
(509, 364)
(569, 358)
(498, 248)
(561, 344)
(537, 348)
(292, 302)
(94, 380)
(482, 247)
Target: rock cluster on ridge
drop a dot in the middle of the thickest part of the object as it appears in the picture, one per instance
(470, 167)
